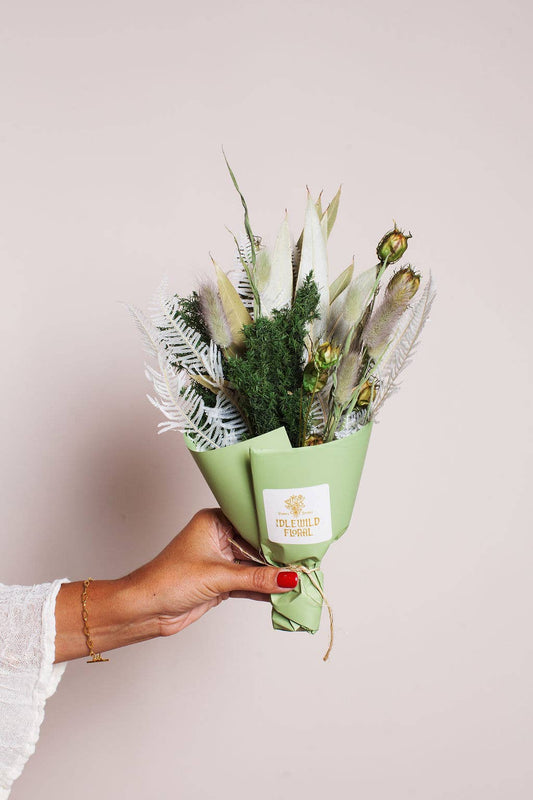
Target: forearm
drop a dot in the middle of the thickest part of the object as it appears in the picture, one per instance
(192, 575)
(118, 616)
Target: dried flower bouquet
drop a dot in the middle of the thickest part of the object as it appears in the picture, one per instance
(275, 375)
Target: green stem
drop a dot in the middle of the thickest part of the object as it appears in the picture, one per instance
(301, 414)
(251, 239)
(251, 279)
(333, 421)
(351, 405)
(309, 407)
(355, 331)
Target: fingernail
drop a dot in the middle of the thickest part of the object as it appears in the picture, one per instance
(287, 580)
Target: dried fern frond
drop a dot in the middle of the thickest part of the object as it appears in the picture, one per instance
(182, 344)
(318, 413)
(214, 370)
(183, 407)
(353, 422)
(403, 346)
(150, 335)
(227, 416)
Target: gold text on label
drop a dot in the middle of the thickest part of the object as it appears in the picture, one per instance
(298, 527)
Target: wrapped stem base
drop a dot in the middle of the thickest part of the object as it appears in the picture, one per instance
(290, 504)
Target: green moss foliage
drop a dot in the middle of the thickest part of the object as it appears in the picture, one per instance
(190, 312)
(268, 376)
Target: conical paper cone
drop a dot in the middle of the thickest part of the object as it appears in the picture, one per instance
(228, 474)
(290, 504)
(304, 501)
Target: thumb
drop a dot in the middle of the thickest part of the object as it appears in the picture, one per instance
(265, 580)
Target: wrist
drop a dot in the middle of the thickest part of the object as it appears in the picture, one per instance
(117, 616)
(130, 618)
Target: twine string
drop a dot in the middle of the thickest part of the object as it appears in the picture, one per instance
(306, 571)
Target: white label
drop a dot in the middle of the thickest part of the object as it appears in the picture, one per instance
(298, 516)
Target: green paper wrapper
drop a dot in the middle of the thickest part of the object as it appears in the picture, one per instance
(290, 504)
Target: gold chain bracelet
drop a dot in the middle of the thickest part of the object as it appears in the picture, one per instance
(95, 657)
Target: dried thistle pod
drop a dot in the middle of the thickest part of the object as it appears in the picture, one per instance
(393, 245)
(366, 395)
(313, 440)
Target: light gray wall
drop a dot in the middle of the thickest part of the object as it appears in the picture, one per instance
(113, 114)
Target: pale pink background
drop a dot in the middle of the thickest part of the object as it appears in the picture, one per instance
(113, 114)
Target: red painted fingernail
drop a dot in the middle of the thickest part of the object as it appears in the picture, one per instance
(287, 580)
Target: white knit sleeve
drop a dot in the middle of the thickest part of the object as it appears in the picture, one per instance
(28, 675)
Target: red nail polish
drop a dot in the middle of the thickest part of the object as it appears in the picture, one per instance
(287, 580)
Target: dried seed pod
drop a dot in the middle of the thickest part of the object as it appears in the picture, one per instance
(326, 356)
(314, 379)
(392, 246)
(366, 395)
(311, 441)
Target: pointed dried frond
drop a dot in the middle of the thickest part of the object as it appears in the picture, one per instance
(339, 284)
(314, 259)
(403, 346)
(330, 214)
(263, 269)
(347, 310)
(247, 226)
(275, 285)
(235, 311)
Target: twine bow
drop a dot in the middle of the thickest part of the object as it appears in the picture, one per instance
(306, 571)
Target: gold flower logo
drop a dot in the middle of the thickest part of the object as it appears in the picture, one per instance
(295, 504)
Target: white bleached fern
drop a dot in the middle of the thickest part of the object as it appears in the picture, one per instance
(183, 357)
(318, 412)
(185, 410)
(212, 362)
(180, 343)
(150, 335)
(354, 422)
(403, 346)
(227, 417)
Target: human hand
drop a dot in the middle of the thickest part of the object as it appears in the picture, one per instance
(198, 570)
(194, 573)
